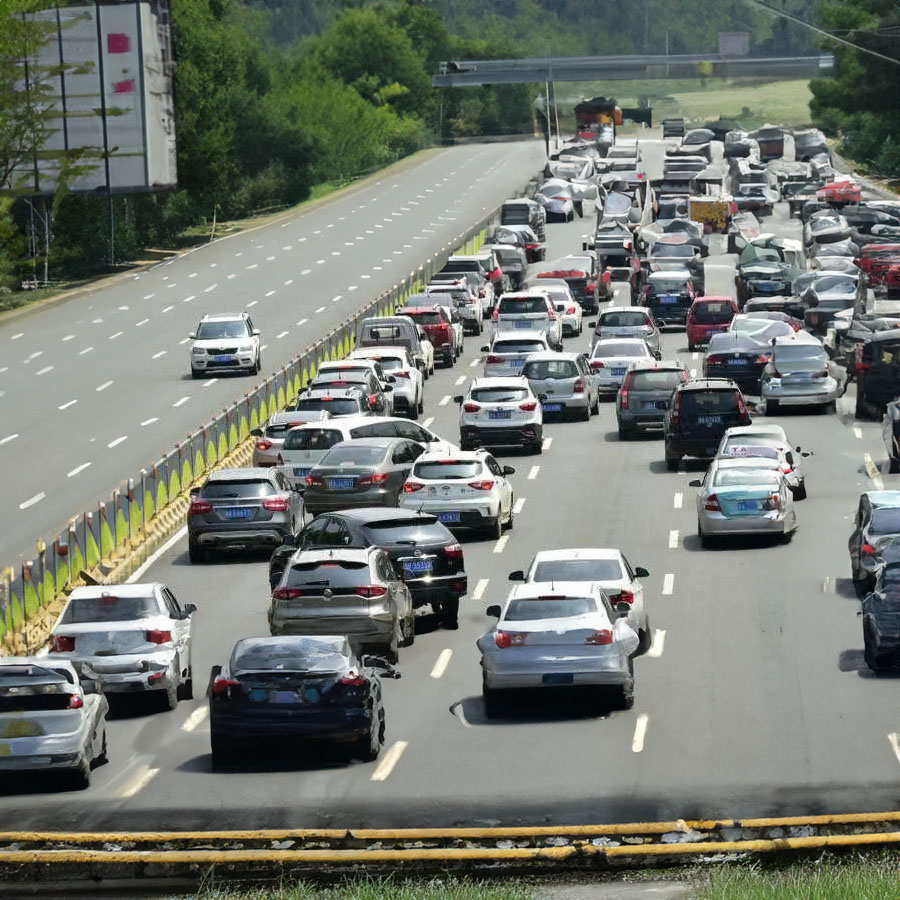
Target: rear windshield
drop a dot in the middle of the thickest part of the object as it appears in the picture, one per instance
(562, 608)
(507, 257)
(109, 609)
(288, 655)
(521, 347)
(41, 698)
(738, 477)
(391, 363)
(798, 352)
(712, 312)
(499, 394)
(216, 490)
(656, 381)
(312, 439)
(337, 406)
(352, 452)
(422, 528)
(577, 570)
(329, 573)
(385, 334)
(703, 403)
(622, 319)
(351, 376)
(424, 317)
(550, 368)
(515, 215)
(885, 521)
(676, 250)
(462, 265)
(448, 468)
(517, 306)
(620, 348)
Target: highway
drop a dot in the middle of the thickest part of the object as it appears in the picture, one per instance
(753, 699)
(95, 389)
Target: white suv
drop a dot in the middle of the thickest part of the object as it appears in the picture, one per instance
(225, 342)
(500, 412)
(409, 390)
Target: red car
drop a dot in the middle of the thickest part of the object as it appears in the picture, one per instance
(881, 262)
(708, 316)
(437, 326)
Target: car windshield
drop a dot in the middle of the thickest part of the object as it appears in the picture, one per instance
(520, 347)
(834, 284)
(702, 403)
(354, 453)
(248, 489)
(333, 573)
(447, 469)
(800, 352)
(630, 349)
(513, 306)
(664, 380)
(288, 655)
(109, 609)
(623, 319)
(712, 312)
(885, 521)
(679, 250)
(337, 406)
(515, 215)
(743, 477)
(423, 316)
(550, 369)
(312, 439)
(577, 570)
(499, 394)
(211, 331)
(550, 608)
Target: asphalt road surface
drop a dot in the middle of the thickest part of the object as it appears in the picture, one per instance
(753, 699)
(95, 389)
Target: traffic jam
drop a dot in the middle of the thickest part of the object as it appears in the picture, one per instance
(702, 300)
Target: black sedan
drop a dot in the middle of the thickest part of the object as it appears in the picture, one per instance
(881, 621)
(739, 357)
(279, 694)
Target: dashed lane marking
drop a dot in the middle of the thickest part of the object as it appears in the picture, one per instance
(302, 322)
(68, 337)
(117, 441)
(518, 506)
(673, 539)
(440, 665)
(210, 383)
(196, 718)
(873, 473)
(212, 287)
(77, 469)
(475, 362)
(86, 350)
(659, 641)
(141, 778)
(428, 422)
(8, 438)
(668, 584)
(280, 335)
(461, 379)
(500, 546)
(678, 500)
(857, 432)
(480, 588)
(640, 732)
(252, 303)
(533, 473)
(112, 337)
(389, 760)
(444, 400)
(67, 405)
(142, 322)
(180, 402)
(15, 337)
(269, 293)
(547, 442)
(44, 371)
(306, 271)
(147, 422)
(103, 386)
(894, 740)
(321, 309)
(32, 500)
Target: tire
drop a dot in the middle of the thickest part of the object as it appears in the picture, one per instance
(621, 696)
(450, 614)
(223, 753)
(254, 369)
(595, 409)
(625, 433)
(645, 637)
(81, 775)
(186, 688)
(894, 468)
(491, 699)
(800, 493)
(367, 749)
(706, 541)
(494, 530)
(537, 447)
(771, 407)
(390, 650)
(421, 406)
(195, 553)
(170, 698)
(408, 630)
(585, 415)
(103, 756)
(509, 521)
(786, 537)
(861, 412)
(672, 462)
(196, 373)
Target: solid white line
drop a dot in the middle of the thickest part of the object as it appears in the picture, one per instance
(668, 583)
(475, 362)
(389, 760)
(138, 782)
(86, 350)
(67, 405)
(480, 588)
(441, 664)
(428, 422)
(112, 337)
(533, 473)
(8, 438)
(147, 422)
(158, 355)
(640, 732)
(103, 386)
(673, 539)
(659, 641)
(138, 574)
(519, 505)
(32, 500)
(117, 441)
(197, 717)
(180, 402)
(500, 546)
(857, 431)
(678, 500)
(142, 322)
(77, 469)
(461, 379)
(444, 400)
(894, 739)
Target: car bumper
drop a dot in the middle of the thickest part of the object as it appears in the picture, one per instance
(719, 524)
(699, 448)
(543, 672)
(573, 401)
(249, 537)
(470, 513)
(236, 362)
(316, 502)
(359, 629)
(38, 761)
(651, 418)
(437, 588)
(517, 436)
(609, 384)
(800, 395)
(323, 726)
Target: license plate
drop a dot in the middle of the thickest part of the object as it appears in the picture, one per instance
(499, 413)
(558, 678)
(746, 506)
(302, 470)
(735, 362)
(668, 301)
(340, 484)
(516, 363)
(521, 324)
(552, 407)
(239, 512)
(801, 376)
(709, 420)
(767, 286)
(222, 358)
(449, 517)
(416, 566)
(618, 373)
(652, 404)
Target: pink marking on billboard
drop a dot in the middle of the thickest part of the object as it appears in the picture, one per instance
(123, 87)
(118, 43)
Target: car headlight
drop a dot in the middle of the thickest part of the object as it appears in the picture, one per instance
(198, 351)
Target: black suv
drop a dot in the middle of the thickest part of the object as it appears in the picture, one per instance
(877, 367)
(881, 621)
(427, 556)
(699, 413)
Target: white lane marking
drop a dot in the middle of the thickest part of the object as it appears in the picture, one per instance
(894, 740)
(659, 641)
(184, 340)
(197, 717)
(337, 297)
(188, 299)
(269, 293)
(695, 356)
(44, 371)
(480, 588)
(668, 584)
(673, 539)
(103, 386)
(15, 337)
(306, 271)
(141, 778)
(68, 337)
(337, 252)
(212, 287)
(872, 472)
(280, 335)
(240, 253)
(547, 442)
(151, 560)
(77, 469)
(159, 355)
(533, 473)
(320, 309)
(440, 665)
(289, 282)
(252, 303)
(67, 405)
(142, 322)
(365, 276)
(352, 287)
(112, 337)
(461, 379)
(389, 760)
(149, 296)
(32, 500)
(500, 546)
(168, 308)
(34, 355)
(180, 402)
(857, 431)
(320, 262)
(124, 308)
(96, 321)
(444, 400)
(86, 350)
(428, 422)
(269, 258)
(678, 500)
(519, 505)
(253, 265)
(640, 732)
(302, 321)
(147, 422)
(8, 438)
(192, 275)
(210, 383)
(475, 362)
(117, 441)
(289, 246)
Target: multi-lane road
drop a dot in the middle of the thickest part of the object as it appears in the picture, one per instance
(95, 389)
(753, 699)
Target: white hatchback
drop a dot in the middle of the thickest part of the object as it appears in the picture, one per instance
(507, 353)
(500, 412)
(409, 384)
(611, 358)
(465, 490)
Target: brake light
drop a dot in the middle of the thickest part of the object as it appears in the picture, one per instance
(453, 551)
(287, 593)
(263, 444)
(578, 387)
(712, 503)
(596, 638)
(597, 364)
(75, 701)
(742, 410)
(494, 359)
(625, 597)
(372, 400)
(198, 507)
(482, 485)
(398, 374)
(370, 590)
(313, 481)
(495, 315)
(221, 685)
(714, 359)
(158, 637)
(867, 550)
(570, 311)
(763, 358)
(353, 680)
(61, 644)
(623, 395)
(412, 486)
(676, 411)
(377, 478)
(471, 407)
(276, 504)
(551, 316)
(528, 405)
(504, 639)
(773, 501)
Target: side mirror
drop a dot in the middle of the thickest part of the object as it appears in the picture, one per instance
(591, 324)
(518, 575)
(256, 432)
(509, 470)
(641, 572)
(388, 388)
(391, 379)
(623, 609)
(695, 483)
(255, 332)
(189, 609)
(485, 349)
(542, 397)
(193, 335)
(195, 491)
(290, 540)
(458, 399)
(493, 611)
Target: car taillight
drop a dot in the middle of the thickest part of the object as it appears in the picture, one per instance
(675, 418)
(773, 501)
(528, 405)
(352, 680)
(482, 485)
(822, 373)
(504, 639)
(370, 590)
(76, 701)
(313, 481)
(287, 593)
(453, 551)
(495, 315)
(377, 478)
(471, 407)
(763, 358)
(221, 685)
(372, 400)
(61, 644)
(597, 364)
(714, 359)
(603, 636)
(570, 311)
(743, 411)
(276, 504)
(398, 374)
(578, 387)
(412, 486)
(712, 503)
(551, 316)
(199, 507)
(494, 359)
(158, 637)
(624, 597)
(867, 550)
(263, 444)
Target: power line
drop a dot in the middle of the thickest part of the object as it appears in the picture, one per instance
(784, 15)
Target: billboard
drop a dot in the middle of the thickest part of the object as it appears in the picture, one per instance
(108, 73)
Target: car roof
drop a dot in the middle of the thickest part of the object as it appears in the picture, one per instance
(358, 554)
(222, 317)
(534, 590)
(714, 298)
(337, 364)
(379, 442)
(325, 391)
(881, 499)
(529, 334)
(250, 473)
(707, 384)
(363, 515)
(578, 553)
(344, 423)
(746, 462)
(737, 431)
(654, 365)
(115, 590)
(461, 455)
(624, 339)
(609, 309)
(378, 352)
(285, 418)
(670, 275)
(553, 355)
(798, 337)
(486, 381)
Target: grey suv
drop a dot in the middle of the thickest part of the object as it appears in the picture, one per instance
(643, 398)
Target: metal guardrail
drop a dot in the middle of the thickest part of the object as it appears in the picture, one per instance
(120, 523)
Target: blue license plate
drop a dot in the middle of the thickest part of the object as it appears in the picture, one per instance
(769, 287)
(449, 517)
(416, 566)
(746, 506)
(558, 678)
(552, 407)
(735, 362)
(522, 324)
(224, 358)
(618, 373)
(340, 484)
(236, 512)
(499, 413)
(516, 363)
(668, 300)
(302, 470)
(709, 420)
(651, 404)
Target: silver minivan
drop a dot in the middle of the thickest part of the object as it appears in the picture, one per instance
(392, 331)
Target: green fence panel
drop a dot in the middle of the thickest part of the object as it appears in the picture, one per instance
(244, 430)
(121, 528)
(280, 400)
(49, 591)
(254, 419)
(106, 539)
(63, 575)
(187, 476)
(199, 464)
(210, 454)
(233, 439)
(273, 406)
(17, 616)
(32, 602)
(162, 495)
(174, 482)
(77, 559)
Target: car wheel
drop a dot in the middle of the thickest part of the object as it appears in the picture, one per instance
(706, 540)
(254, 369)
(494, 530)
(81, 775)
(894, 467)
(625, 433)
(408, 630)
(186, 689)
(621, 696)
(102, 756)
(584, 415)
(450, 614)
(786, 537)
(491, 699)
(537, 447)
(771, 407)
(509, 521)
(195, 553)
(595, 409)
(672, 462)
(645, 636)
(800, 491)
(368, 748)
(861, 412)
(170, 698)
(223, 753)
(196, 373)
